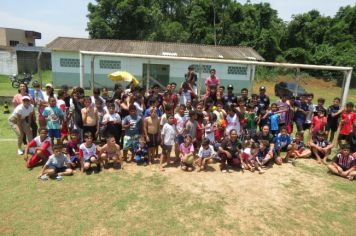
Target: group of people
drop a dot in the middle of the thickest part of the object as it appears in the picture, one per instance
(65, 131)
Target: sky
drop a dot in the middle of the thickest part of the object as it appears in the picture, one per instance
(55, 18)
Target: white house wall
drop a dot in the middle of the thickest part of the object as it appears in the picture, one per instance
(8, 63)
(70, 75)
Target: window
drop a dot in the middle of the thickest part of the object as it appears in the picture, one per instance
(204, 68)
(237, 70)
(108, 64)
(69, 62)
(13, 43)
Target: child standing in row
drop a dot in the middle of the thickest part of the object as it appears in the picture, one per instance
(168, 135)
(54, 116)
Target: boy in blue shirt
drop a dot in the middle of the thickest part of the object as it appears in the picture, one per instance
(54, 116)
(133, 126)
(282, 142)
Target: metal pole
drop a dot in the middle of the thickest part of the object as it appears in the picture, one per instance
(346, 88)
(39, 71)
(297, 73)
(81, 69)
(243, 62)
(92, 73)
(148, 76)
(252, 77)
(200, 81)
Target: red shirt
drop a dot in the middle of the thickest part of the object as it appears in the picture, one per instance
(318, 124)
(347, 119)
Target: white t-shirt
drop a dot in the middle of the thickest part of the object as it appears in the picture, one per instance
(169, 133)
(22, 111)
(232, 123)
(180, 123)
(204, 153)
(87, 152)
(111, 118)
(139, 109)
(209, 132)
(185, 96)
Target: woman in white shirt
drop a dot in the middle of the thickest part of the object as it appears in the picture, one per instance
(18, 122)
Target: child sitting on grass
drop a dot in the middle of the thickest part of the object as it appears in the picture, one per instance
(205, 154)
(88, 153)
(141, 152)
(56, 166)
(263, 155)
(186, 155)
(321, 148)
(72, 149)
(248, 158)
(344, 164)
(40, 147)
(111, 151)
(297, 149)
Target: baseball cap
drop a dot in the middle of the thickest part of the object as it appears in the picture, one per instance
(262, 88)
(49, 85)
(230, 86)
(26, 98)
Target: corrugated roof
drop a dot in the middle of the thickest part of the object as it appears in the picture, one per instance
(154, 48)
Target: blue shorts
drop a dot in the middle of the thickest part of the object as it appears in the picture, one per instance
(74, 159)
(54, 133)
(57, 169)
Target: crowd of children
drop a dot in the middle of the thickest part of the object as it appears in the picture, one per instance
(244, 132)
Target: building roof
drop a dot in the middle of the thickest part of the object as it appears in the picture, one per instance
(154, 48)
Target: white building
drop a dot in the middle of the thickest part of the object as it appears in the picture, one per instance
(66, 61)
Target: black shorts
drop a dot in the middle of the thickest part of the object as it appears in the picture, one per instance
(88, 160)
(154, 140)
(57, 170)
(342, 137)
(331, 126)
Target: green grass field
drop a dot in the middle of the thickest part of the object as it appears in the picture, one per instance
(286, 200)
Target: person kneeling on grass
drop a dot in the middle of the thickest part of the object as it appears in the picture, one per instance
(111, 151)
(186, 154)
(344, 164)
(72, 149)
(56, 166)
(321, 148)
(141, 152)
(88, 153)
(205, 154)
(40, 147)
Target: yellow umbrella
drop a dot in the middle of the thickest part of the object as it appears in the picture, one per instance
(123, 76)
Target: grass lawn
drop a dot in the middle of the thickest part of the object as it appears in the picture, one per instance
(286, 200)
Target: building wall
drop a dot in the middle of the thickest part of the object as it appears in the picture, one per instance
(3, 37)
(65, 69)
(8, 62)
(7, 34)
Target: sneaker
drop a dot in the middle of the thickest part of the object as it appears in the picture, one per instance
(44, 177)
(19, 152)
(59, 178)
(224, 171)
(98, 167)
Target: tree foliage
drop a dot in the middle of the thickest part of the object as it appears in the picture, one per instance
(307, 38)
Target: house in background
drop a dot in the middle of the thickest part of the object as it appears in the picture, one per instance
(66, 61)
(18, 52)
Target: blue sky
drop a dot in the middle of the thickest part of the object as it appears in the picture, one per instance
(55, 18)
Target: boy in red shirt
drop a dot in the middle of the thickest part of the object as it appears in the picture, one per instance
(348, 117)
(318, 122)
(41, 147)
